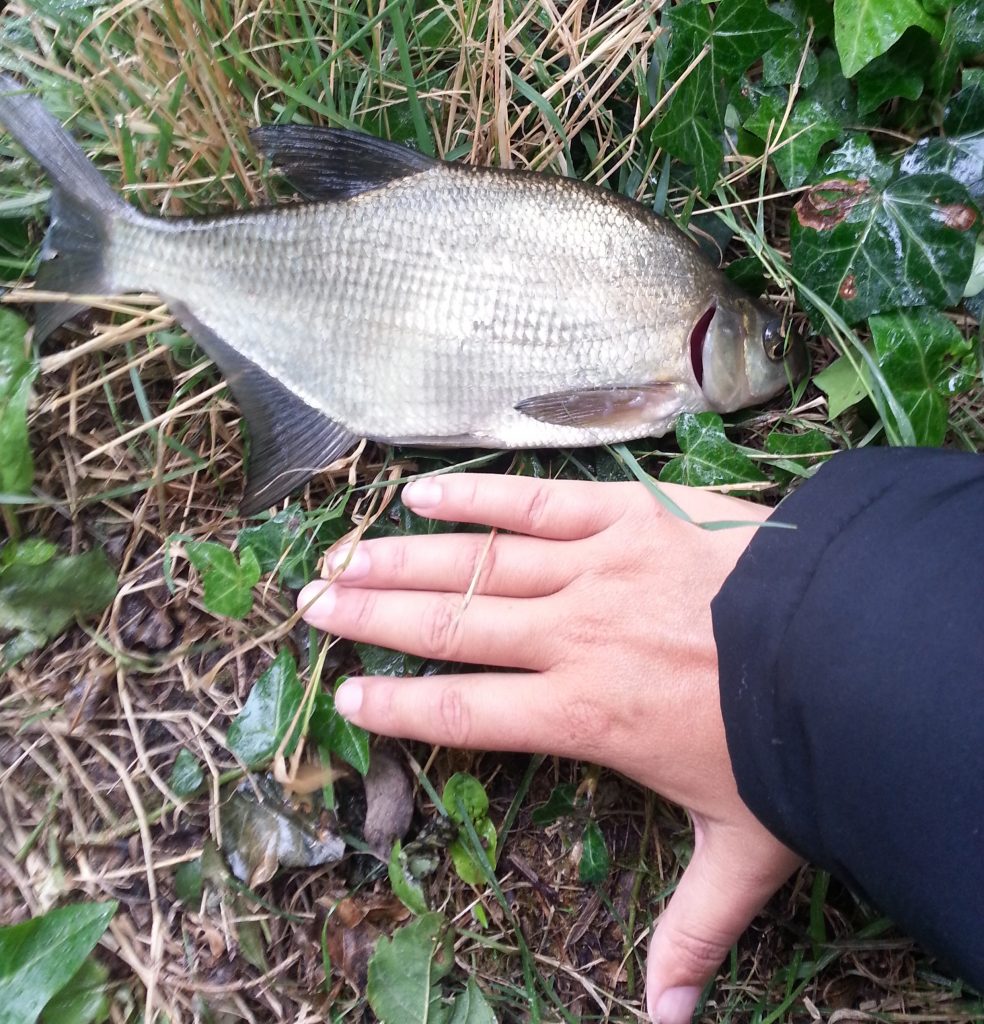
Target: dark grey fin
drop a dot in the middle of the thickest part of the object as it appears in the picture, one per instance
(289, 440)
(82, 206)
(333, 163)
(630, 406)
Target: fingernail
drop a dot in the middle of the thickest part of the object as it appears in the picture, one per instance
(357, 567)
(676, 1005)
(317, 597)
(422, 494)
(348, 698)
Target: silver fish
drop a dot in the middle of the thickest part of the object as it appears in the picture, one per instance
(417, 301)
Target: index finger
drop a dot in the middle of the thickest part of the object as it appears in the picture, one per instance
(551, 509)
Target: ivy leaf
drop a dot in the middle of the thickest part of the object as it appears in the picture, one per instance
(920, 353)
(866, 247)
(781, 64)
(800, 451)
(381, 661)
(900, 71)
(260, 727)
(708, 458)
(595, 863)
(471, 1006)
(336, 734)
(42, 592)
(963, 39)
(17, 373)
(843, 385)
(832, 90)
(38, 957)
(186, 775)
(227, 583)
(559, 804)
(865, 28)
(282, 543)
(794, 152)
(405, 973)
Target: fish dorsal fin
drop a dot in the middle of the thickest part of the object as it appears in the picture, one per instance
(289, 440)
(634, 405)
(333, 163)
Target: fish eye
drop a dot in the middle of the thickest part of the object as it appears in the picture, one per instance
(774, 341)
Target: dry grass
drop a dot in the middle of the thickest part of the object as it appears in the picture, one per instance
(135, 443)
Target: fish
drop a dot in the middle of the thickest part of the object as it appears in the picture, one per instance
(414, 301)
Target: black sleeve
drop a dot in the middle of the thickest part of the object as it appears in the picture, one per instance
(851, 655)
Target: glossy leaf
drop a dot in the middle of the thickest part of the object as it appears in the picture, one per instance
(464, 790)
(41, 593)
(465, 859)
(227, 582)
(83, 1000)
(843, 385)
(801, 453)
(257, 731)
(405, 887)
(405, 973)
(381, 661)
(465, 795)
(39, 957)
(781, 64)
(471, 1007)
(924, 359)
(559, 804)
(17, 373)
(337, 735)
(282, 544)
(901, 71)
(865, 247)
(186, 775)
(708, 458)
(963, 39)
(595, 863)
(863, 29)
(795, 150)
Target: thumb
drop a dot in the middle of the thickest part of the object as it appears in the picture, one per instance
(733, 872)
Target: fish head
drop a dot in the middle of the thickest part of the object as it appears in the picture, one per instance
(742, 354)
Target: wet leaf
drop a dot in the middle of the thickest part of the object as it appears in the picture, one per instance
(227, 583)
(559, 804)
(794, 152)
(17, 373)
(389, 802)
(866, 248)
(282, 543)
(336, 735)
(843, 385)
(901, 71)
(963, 39)
(832, 90)
(595, 863)
(381, 661)
(964, 114)
(471, 1007)
(83, 1000)
(409, 891)
(781, 64)
(863, 29)
(257, 731)
(708, 458)
(186, 775)
(405, 973)
(920, 353)
(39, 957)
(42, 592)
(260, 834)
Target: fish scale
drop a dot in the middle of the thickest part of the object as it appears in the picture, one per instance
(416, 301)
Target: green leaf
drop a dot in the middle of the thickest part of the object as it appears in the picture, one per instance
(464, 790)
(336, 734)
(283, 544)
(963, 40)
(83, 1000)
(595, 862)
(865, 247)
(900, 71)
(832, 90)
(465, 859)
(259, 728)
(186, 774)
(41, 593)
(920, 353)
(964, 114)
(405, 973)
(471, 1007)
(781, 64)
(188, 883)
(38, 957)
(465, 795)
(843, 385)
(381, 661)
(708, 458)
(559, 804)
(865, 28)
(405, 887)
(17, 373)
(801, 451)
(227, 583)
(794, 152)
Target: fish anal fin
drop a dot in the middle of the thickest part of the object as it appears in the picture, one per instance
(289, 440)
(619, 406)
(333, 163)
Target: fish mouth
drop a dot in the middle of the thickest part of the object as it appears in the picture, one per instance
(697, 338)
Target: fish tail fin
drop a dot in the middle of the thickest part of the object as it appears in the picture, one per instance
(74, 256)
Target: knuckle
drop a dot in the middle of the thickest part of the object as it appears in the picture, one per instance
(399, 560)
(534, 510)
(588, 726)
(480, 564)
(361, 610)
(454, 716)
(698, 954)
(442, 628)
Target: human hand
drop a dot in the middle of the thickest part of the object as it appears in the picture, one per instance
(605, 597)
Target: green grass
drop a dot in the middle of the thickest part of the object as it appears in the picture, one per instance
(134, 445)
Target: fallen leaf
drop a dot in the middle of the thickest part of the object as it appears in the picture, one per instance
(389, 803)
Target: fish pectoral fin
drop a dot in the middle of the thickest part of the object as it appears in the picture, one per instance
(289, 440)
(635, 405)
(332, 163)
